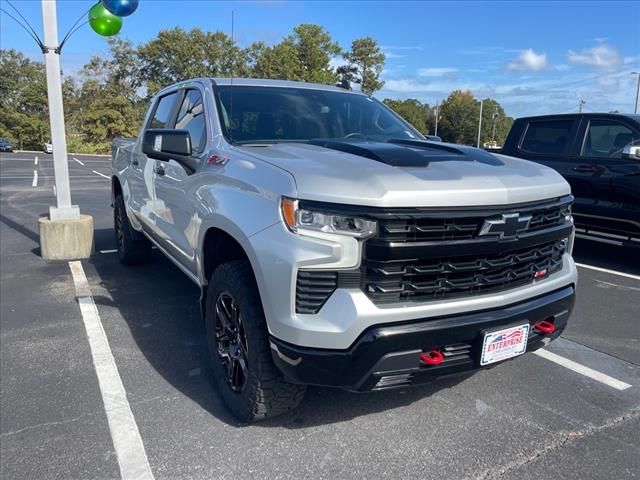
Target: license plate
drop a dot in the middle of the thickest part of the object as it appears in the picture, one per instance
(503, 344)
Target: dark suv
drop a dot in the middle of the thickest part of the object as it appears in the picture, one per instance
(5, 145)
(599, 155)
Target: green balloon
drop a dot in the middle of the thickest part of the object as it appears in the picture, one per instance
(103, 21)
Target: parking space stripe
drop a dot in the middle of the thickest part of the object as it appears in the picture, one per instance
(81, 163)
(113, 250)
(127, 442)
(35, 161)
(606, 270)
(101, 174)
(35, 179)
(583, 370)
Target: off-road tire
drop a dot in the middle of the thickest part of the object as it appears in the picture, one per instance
(133, 247)
(265, 392)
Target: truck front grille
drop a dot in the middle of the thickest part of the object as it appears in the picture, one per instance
(427, 254)
(439, 278)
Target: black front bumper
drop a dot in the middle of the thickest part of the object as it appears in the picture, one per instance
(387, 356)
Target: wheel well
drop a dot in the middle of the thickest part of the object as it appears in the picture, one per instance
(219, 247)
(116, 189)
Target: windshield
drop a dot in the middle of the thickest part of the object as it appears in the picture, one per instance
(260, 115)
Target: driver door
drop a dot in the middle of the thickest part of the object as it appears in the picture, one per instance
(177, 221)
(614, 181)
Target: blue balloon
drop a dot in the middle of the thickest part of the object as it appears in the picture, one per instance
(121, 8)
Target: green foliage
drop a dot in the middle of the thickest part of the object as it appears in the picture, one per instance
(176, 55)
(413, 111)
(459, 118)
(23, 100)
(110, 95)
(365, 63)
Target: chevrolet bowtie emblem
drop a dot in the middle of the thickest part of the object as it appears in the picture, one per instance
(507, 226)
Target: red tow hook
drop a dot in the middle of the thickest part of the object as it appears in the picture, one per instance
(434, 357)
(545, 326)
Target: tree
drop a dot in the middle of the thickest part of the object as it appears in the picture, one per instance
(492, 112)
(365, 63)
(314, 51)
(459, 118)
(23, 100)
(279, 62)
(413, 111)
(176, 55)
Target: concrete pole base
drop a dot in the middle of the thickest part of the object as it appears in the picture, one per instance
(68, 239)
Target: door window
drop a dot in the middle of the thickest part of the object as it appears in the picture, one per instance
(607, 138)
(547, 137)
(161, 116)
(191, 118)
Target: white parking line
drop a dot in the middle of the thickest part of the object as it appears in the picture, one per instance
(583, 370)
(606, 270)
(35, 179)
(127, 442)
(35, 161)
(81, 163)
(101, 174)
(109, 251)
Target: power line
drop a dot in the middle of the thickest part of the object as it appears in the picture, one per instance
(35, 35)
(36, 38)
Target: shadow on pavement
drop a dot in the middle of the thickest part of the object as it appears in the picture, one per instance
(161, 308)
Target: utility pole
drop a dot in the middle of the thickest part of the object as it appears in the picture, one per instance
(582, 102)
(480, 123)
(437, 115)
(635, 110)
(495, 118)
(64, 209)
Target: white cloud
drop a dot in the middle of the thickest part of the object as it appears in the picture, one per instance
(563, 67)
(529, 60)
(390, 55)
(602, 57)
(437, 72)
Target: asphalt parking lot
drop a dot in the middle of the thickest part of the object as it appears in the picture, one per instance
(527, 418)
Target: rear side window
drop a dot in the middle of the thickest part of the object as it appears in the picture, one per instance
(547, 137)
(607, 138)
(161, 116)
(191, 118)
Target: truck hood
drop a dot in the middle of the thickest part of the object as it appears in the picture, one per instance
(409, 173)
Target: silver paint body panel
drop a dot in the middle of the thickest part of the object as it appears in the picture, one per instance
(242, 198)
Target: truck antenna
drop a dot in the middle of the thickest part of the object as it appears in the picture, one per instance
(233, 44)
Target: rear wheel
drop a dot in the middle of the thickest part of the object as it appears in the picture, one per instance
(249, 383)
(133, 247)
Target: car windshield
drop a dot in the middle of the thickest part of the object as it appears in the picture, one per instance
(265, 115)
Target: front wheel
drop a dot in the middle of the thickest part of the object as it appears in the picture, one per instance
(249, 383)
(133, 247)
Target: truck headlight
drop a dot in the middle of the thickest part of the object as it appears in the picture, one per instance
(299, 219)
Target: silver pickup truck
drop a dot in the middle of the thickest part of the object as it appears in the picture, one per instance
(333, 245)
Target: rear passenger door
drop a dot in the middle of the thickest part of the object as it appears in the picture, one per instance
(177, 221)
(550, 141)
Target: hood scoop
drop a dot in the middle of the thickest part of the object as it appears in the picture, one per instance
(408, 153)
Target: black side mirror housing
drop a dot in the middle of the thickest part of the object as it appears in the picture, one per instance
(161, 144)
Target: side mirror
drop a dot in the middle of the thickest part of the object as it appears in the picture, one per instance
(161, 144)
(632, 152)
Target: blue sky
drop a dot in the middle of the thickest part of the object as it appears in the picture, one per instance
(533, 57)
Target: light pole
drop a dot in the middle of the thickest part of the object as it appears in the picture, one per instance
(635, 110)
(64, 209)
(437, 115)
(480, 123)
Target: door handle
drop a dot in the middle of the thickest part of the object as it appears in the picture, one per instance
(159, 170)
(586, 168)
